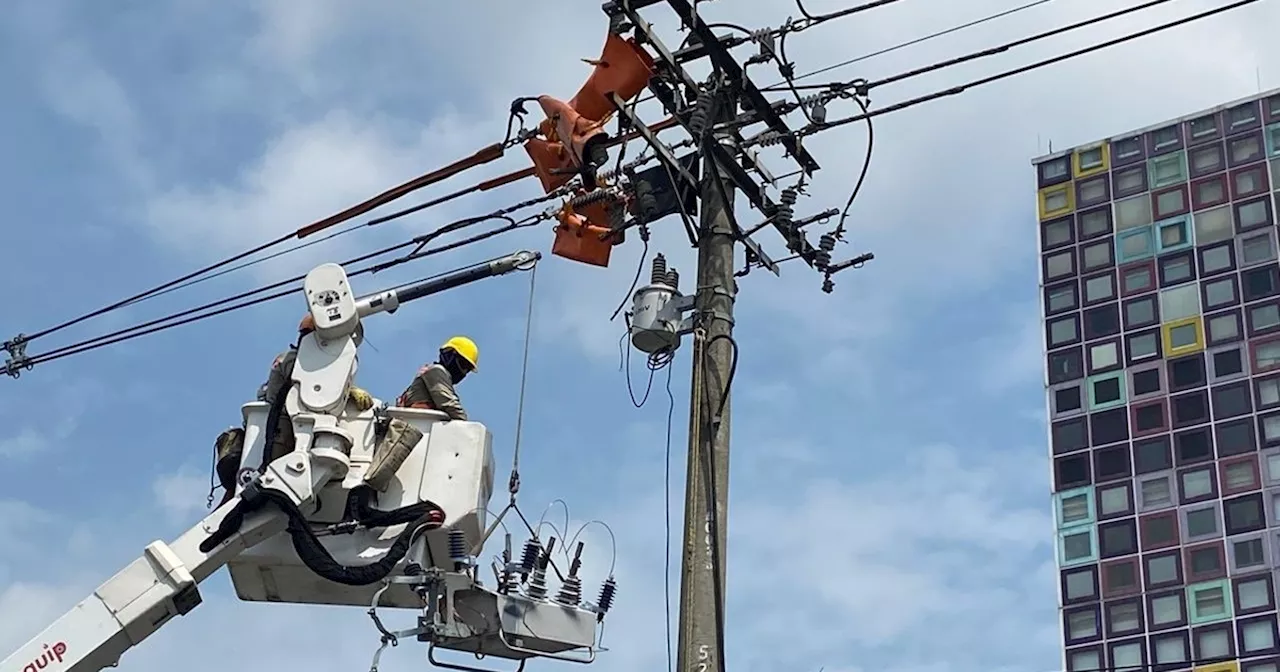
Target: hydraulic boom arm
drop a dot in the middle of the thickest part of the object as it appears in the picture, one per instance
(163, 582)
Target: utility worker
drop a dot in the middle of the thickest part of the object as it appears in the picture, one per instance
(433, 387)
(230, 444)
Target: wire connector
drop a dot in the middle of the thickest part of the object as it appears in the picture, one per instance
(17, 361)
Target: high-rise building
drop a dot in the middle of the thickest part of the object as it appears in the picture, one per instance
(1161, 302)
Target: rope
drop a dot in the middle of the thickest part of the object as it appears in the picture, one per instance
(513, 484)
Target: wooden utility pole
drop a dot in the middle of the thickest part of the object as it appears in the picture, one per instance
(702, 583)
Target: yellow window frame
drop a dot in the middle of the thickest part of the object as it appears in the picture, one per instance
(1233, 666)
(1069, 188)
(1090, 172)
(1166, 332)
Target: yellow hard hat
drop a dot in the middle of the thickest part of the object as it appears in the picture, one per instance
(465, 348)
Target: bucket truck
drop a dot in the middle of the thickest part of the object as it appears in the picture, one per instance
(308, 527)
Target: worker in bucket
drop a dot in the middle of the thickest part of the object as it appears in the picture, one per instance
(433, 386)
(229, 445)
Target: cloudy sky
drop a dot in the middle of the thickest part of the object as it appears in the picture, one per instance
(890, 503)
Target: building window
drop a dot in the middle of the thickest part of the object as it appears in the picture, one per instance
(1202, 523)
(1227, 363)
(1075, 507)
(1223, 327)
(1269, 428)
(1163, 140)
(1254, 593)
(1186, 373)
(1095, 256)
(1127, 150)
(1167, 170)
(1064, 331)
(1247, 554)
(1161, 530)
(1120, 578)
(1243, 117)
(1203, 128)
(1243, 149)
(1077, 546)
(1171, 203)
(1235, 438)
(1055, 171)
(1208, 602)
(1088, 659)
(1100, 288)
(1213, 225)
(1266, 355)
(1069, 436)
(1141, 312)
(1244, 514)
(1253, 214)
(1137, 278)
(1080, 585)
(1061, 298)
(1175, 269)
(1082, 625)
(1123, 617)
(1257, 635)
(1094, 223)
(1219, 293)
(1206, 159)
(1093, 191)
(1150, 456)
(1189, 409)
(1155, 493)
(1151, 418)
(1105, 356)
(1196, 484)
(1059, 265)
(1264, 317)
(1230, 401)
(1132, 212)
(1183, 336)
(1240, 475)
(1090, 160)
(1257, 248)
(1056, 201)
(1115, 500)
(1110, 426)
(1205, 562)
(1214, 642)
(1146, 381)
(1174, 234)
(1135, 244)
(1066, 365)
(1163, 569)
(1267, 391)
(1217, 259)
(1167, 609)
(1250, 181)
(1259, 283)
(1068, 400)
(1118, 538)
(1129, 181)
(1209, 192)
(1170, 650)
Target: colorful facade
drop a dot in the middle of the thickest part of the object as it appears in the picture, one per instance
(1161, 303)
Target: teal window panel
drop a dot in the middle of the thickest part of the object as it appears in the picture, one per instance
(1075, 508)
(1077, 545)
(1273, 141)
(1174, 234)
(1136, 244)
(1107, 390)
(1209, 602)
(1167, 170)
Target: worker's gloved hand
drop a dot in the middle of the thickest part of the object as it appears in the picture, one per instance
(363, 400)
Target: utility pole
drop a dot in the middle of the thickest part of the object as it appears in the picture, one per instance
(702, 583)
(717, 116)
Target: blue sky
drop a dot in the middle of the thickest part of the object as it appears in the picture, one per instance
(890, 503)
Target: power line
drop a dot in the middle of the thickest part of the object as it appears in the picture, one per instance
(196, 314)
(909, 43)
(956, 90)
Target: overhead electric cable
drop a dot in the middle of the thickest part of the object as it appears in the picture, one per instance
(984, 53)
(956, 90)
(112, 339)
(904, 45)
(480, 157)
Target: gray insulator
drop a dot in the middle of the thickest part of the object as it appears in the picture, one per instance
(673, 279)
(701, 113)
(570, 593)
(593, 196)
(510, 581)
(458, 551)
(607, 593)
(529, 558)
(785, 213)
(536, 589)
(659, 274)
